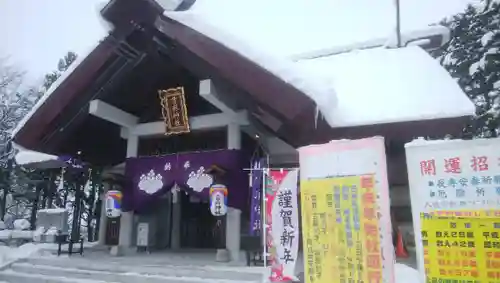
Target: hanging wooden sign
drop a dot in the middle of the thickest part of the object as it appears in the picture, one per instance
(174, 111)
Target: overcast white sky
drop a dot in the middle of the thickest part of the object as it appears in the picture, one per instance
(36, 33)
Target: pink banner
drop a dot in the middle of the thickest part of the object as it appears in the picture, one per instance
(282, 230)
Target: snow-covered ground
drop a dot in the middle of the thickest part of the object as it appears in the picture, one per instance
(98, 266)
(405, 274)
(10, 254)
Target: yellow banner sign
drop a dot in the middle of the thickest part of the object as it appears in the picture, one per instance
(341, 230)
(461, 249)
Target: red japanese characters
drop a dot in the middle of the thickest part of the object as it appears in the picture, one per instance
(453, 165)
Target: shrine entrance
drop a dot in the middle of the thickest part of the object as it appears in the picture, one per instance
(199, 229)
(178, 220)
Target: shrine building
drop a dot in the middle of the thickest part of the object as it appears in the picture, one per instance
(173, 106)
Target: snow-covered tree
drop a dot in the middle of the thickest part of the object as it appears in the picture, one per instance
(66, 61)
(472, 57)
(62, 66)
(15, 102)
(16, 194)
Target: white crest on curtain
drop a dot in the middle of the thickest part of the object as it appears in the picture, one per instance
(150, 183)
(199, 180)
(168, 166)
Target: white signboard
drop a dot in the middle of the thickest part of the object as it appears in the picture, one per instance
(453, 179)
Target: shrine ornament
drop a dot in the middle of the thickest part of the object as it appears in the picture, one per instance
(114, 204)
(174, 111)
(218, 200)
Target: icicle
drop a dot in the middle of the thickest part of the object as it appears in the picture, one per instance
(316, 117)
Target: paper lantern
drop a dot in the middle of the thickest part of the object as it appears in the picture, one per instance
(114, 204)
(218, 200)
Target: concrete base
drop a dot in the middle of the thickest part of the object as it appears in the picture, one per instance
(175, 240)
(126, 229)
(222, 255)
(233, 228)
(103, 217)
(116, 251)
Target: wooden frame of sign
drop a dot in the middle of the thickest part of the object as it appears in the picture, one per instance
(215, 170)
(174, 111)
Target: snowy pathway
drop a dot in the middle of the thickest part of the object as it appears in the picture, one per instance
(98, 266)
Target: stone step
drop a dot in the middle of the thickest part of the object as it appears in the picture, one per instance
(241, 274)
(10, 276)
(122, 277)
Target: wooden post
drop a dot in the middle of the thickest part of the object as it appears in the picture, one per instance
(34, 208)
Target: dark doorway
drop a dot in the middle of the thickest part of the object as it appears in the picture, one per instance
(163, 212)
(112, 231)
(199, 229)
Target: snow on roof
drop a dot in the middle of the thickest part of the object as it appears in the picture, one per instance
(352, 89)
(271, 44)
(321, 92)
(289, 27)
(408, 38)
(380, 85)
(422, 142)
(26, 157)
(53, 210)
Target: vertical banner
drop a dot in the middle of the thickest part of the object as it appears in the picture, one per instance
(346, 226)
(282, 223)
(255, 202)
(455, 199)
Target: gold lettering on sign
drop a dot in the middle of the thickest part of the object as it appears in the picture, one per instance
(174, 111)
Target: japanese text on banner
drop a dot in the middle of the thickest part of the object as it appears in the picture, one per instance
(341, 230)
(282, 229)
(256, 202)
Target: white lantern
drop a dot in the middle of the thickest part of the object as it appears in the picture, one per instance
(114, 204)
(218, 200)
